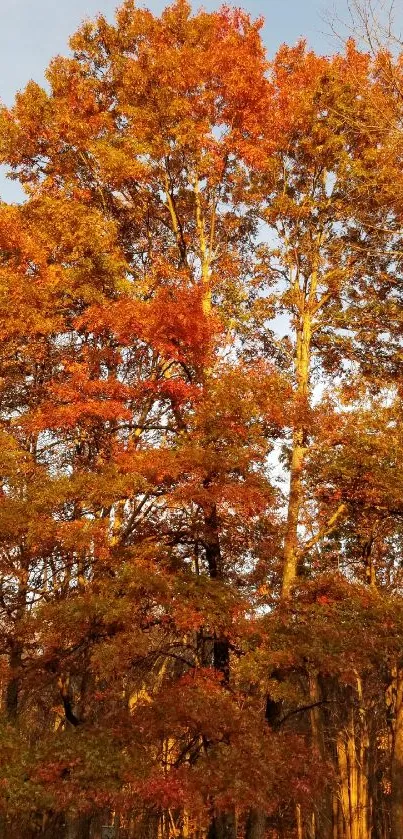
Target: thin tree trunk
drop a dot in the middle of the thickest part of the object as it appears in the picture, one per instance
(300, 828)
(223, 825)
(337, 832)
(13, 686)
(214, 563)
(364, 814)
(294, 507)
(344, 787)
(324, 819)
(295, 499)
(397, 764)
(16, 649)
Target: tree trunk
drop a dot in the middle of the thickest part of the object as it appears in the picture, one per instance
(324, 819)
(256, 825)
(79, 827)
(294, 506)
(17, 647)
(397, 764)
(13, 687)
(295, 498)
(223, 826)
(352, 754)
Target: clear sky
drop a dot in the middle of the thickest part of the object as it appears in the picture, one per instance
(32, 31)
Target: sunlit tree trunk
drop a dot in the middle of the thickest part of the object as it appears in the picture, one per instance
(295, 499)
(352, 755)
(305, 303)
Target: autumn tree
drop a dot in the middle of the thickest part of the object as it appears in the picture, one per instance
(186, 649)
(143, 430)
(333, 267)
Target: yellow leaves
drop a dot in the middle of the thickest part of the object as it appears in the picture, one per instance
(119, 162)
(27, 127)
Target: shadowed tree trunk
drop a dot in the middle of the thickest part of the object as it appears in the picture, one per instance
(223, 826)
(79, 827)
(397, 764)
(255, 825)
(13, 686)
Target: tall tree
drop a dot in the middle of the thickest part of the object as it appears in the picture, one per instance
(186, 651)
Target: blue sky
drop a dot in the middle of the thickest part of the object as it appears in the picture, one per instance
(32, 31)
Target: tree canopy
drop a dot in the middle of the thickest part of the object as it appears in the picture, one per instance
(201, 514)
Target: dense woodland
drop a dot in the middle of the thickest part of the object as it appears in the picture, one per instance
(201, 505)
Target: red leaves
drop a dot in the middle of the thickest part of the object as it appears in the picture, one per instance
(171, 322)
(80, 400)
